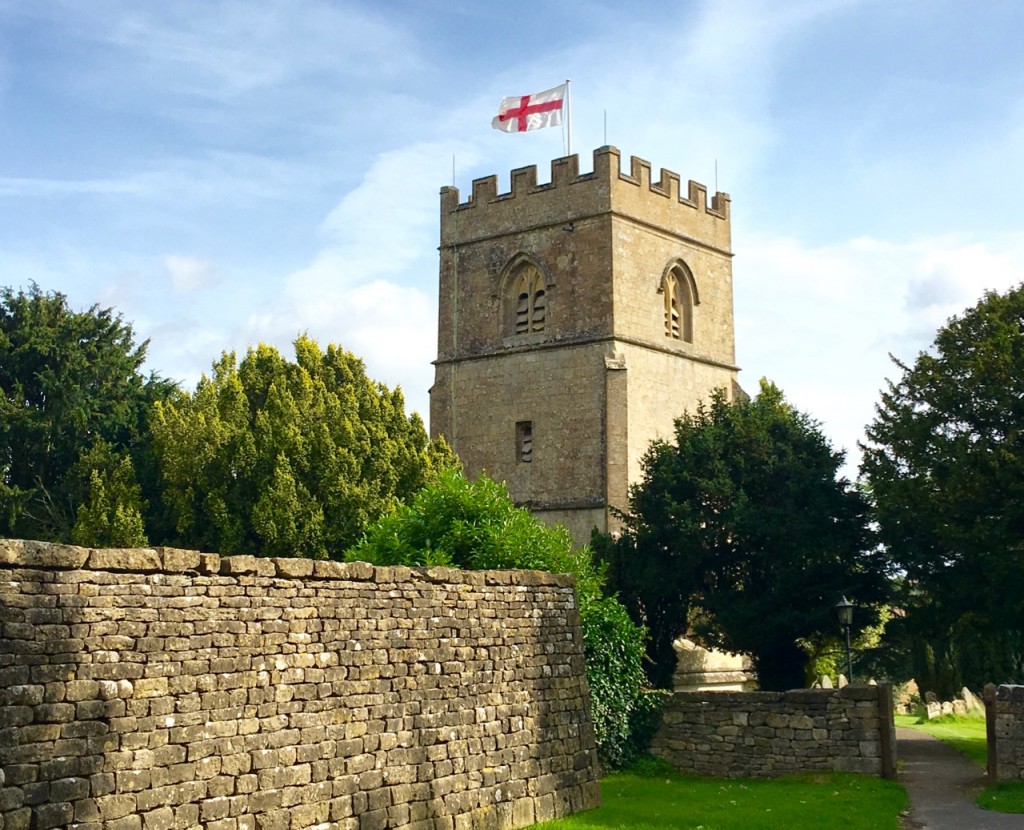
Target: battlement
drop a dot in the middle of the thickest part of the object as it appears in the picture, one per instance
(570, 194)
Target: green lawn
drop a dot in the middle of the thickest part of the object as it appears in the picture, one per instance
(967, 735)
(964, 734)
(657, 797)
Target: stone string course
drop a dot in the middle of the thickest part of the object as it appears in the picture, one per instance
(765, 734)
(152, 689)
(1004, 712)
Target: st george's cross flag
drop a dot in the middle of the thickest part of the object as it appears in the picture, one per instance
(530, 112)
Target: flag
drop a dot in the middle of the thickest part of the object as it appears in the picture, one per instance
(530, 112)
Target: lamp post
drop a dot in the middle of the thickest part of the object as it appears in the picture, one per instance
(844, 609)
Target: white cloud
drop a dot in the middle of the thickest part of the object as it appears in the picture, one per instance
(387, 226)
(188, 274)
(822, 321)
(212, 177)
(28, 187)
(370, 288)
(227, 49)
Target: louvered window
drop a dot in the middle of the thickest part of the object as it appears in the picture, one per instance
(679, 302)
(524, 441)
(531, 302)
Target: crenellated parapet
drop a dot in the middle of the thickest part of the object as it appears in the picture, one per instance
(571, 196)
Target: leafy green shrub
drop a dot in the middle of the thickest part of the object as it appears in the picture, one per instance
(474, 525)
(624, 716)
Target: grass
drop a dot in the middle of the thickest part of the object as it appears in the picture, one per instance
(654, 796)
(1007, 797)
(967, 735)
(964, 733)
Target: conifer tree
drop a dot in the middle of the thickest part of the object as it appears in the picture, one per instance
(945, 464)
(278, 457)
(71, 393)
(743, 534)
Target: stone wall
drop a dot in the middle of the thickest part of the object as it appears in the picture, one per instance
(156, 689)
(765, 734)
(1004, 714)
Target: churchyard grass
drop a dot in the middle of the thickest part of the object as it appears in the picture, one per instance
(967, 735)
(1007, 797)
(653, 796)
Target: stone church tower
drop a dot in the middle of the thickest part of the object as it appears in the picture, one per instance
(577, 320)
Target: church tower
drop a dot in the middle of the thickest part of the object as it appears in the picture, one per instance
(577, 320)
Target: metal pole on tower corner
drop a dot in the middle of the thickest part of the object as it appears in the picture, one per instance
(568, 117)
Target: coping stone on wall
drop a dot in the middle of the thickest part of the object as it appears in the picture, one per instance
(1010, 694)
(29, 554)
(51, 556)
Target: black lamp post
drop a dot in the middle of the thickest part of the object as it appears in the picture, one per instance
(844, 608)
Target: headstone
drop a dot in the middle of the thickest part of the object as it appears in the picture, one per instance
(932, 710)
(972, 702)
(959, 707)
(826, 682)
(931, 697)
(947, 707)
(842, 681)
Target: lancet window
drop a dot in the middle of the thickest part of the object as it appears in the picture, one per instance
(530, 298)
(680, 297)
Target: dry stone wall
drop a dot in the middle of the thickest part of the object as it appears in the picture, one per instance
(159, 689)
(765, 734)
(1004, 712)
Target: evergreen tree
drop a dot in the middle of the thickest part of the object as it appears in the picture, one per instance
(743, 535)
(71, 388)
(276, 457)
(945, 464)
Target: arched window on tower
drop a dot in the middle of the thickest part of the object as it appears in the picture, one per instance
(529, 300)
(680, 293)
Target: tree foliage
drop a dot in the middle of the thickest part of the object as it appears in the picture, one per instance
(742, 534)
(945, 464)
(474, 525)
(276, 457)
(111, 517)
(71, 389)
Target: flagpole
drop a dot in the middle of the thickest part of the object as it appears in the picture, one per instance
(568, 116)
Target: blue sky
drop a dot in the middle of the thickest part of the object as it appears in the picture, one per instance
(226, 173)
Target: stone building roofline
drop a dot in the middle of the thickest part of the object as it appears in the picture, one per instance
(607, 171)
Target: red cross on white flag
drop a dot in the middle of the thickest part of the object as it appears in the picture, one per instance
(530, 112)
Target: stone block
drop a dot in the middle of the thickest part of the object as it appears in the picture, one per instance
(125, 559)
(293, 568)
(29, 554)
(327, 569)
(238, 565)
(355, 571)
(176, 560)
(116, 806)
(50, 815)
(133, 822)
(274, 820)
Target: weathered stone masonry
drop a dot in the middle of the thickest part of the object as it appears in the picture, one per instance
(171, 689)
(1004, 714)
(765, 734)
